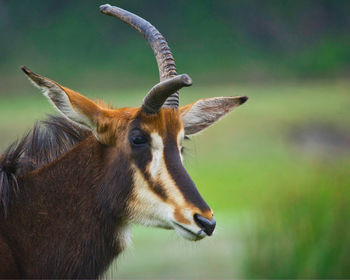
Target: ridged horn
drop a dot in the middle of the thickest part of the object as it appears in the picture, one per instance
(164, 57)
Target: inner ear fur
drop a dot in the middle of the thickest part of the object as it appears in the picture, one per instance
(204, 112)
(69, 103)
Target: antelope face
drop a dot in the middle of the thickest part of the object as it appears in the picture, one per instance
(150, 138)
(163, 193)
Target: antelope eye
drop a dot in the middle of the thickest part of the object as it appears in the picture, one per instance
(137, 138)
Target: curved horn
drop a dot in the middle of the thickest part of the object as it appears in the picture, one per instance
(164, 57)
(155, 98)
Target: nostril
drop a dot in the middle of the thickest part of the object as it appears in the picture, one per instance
(206, 225)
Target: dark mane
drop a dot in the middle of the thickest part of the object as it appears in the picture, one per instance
(47, 141)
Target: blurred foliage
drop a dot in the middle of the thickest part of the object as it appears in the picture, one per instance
(212, 40)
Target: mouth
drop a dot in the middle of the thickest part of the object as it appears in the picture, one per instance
(188, 233)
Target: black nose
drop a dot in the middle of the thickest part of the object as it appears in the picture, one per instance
(206, 225)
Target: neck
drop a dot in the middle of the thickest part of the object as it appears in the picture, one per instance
(67, 221)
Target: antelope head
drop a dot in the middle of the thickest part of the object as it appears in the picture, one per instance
(150, 138)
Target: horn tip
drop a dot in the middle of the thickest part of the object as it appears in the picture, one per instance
(187, 81)
(104, 8)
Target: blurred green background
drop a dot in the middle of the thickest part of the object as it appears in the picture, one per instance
(275, 172)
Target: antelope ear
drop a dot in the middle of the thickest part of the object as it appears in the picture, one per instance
(69, 103)
(204, 112)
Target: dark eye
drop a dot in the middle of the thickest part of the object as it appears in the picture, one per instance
(139, 140)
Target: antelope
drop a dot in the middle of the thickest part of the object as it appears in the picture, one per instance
(71, 189)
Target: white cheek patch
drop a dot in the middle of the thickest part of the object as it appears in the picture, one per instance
(157, 148)
(146, 208)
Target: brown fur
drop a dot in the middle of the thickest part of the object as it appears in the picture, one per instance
(59, 213)
(66, 218)
(68, 194)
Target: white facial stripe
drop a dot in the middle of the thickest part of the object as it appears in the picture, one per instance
(159, 170)
(148, 208)
(157, 149)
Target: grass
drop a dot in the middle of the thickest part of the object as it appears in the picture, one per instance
(282, 207)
